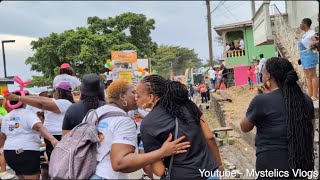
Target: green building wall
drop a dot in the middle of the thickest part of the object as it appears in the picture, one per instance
(250, 49)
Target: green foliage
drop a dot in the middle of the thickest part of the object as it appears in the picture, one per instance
(86, 49)
(180, 57)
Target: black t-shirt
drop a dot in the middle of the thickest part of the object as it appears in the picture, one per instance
(224, 73)
(75, 114)
(268, 113)
(155, 129)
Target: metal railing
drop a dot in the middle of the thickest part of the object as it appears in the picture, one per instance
(287, 37)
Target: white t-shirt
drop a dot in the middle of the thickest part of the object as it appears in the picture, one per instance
(241, 44)
(212, 74)
(112, 130)
(262, 63)
(256, 69)
(110, 76)
(138, 123)
(17, 125)
(53, 121)
(306, 38)
(219, 74)
(75, 82)
(227, 48)
(33, 109)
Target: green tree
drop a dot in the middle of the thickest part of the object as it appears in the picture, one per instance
(87, 48)
(180, 57)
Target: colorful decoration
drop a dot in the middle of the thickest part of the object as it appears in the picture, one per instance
(109, 64)
(22, 92)
(140, 69)
(154, 72)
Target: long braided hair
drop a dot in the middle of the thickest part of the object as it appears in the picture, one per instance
(299, 118)
(172, 95)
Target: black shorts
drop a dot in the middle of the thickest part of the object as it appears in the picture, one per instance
(26, 163)
(49, 147)
(138, 139)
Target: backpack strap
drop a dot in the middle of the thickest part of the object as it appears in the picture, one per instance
(171, 159)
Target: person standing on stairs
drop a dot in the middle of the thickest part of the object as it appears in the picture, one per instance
(309, 59)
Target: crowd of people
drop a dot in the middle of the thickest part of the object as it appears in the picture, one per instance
(160, 122)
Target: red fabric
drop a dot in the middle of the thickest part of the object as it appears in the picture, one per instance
(250, 74)
(203, 89)
(241, 76)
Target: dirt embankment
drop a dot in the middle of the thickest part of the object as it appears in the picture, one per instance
(241, 97)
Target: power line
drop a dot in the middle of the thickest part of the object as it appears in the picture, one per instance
(231, 14)
(220, 3)
(237, 5)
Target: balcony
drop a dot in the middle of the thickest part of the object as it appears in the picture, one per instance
(235, 53)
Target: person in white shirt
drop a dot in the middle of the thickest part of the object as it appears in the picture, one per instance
(43, 92)
(138, 115)
(66, 74)
(118, 137)
(309, 59)
(55, 108)
(212, 76)
(241, 43)
(109, 78)
(20, 134)
(257, 72)
(227, 47)
(261, 64)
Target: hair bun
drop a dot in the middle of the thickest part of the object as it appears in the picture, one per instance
(292, 77)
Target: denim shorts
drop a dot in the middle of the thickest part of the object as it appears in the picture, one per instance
(94, 176)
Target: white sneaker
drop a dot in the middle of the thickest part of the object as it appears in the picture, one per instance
(6, 175)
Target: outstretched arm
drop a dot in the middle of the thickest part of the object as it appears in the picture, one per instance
(41, 103)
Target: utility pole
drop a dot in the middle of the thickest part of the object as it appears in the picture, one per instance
(253, 8)
(209, 33)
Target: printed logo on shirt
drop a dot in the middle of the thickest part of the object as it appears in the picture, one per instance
(16, 125)
(103, 125)
(12, 119)
(101, 136)
(11, 127)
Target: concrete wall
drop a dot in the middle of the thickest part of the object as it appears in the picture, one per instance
(297, 10)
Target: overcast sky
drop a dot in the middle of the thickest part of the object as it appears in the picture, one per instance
(180, 23)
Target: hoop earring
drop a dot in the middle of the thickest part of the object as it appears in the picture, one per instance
(145, 109)
(124, 103)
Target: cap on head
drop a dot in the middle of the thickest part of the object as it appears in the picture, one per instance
(64, 85)
(64, 66)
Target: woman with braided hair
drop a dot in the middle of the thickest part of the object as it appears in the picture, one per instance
(167, 100)
(284, 119)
